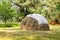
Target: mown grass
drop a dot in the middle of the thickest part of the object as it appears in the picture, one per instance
(17, 34)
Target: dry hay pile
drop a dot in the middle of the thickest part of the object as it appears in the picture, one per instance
(31, 23)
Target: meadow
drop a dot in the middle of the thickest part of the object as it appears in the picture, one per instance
(14, 33)
(13, 11)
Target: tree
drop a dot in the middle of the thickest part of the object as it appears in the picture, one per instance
(6, 13)
(47, 8)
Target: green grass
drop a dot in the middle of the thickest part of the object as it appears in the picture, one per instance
(17, 34)
(55, 26)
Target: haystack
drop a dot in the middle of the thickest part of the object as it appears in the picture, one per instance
(34, 22)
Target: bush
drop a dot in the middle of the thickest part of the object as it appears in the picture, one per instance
(9, 25)
(2, 25)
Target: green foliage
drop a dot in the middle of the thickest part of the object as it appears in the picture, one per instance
(7, 25)
(48, 8)
(44, 7)
(2, 25)
(10, 24)
(6, 12)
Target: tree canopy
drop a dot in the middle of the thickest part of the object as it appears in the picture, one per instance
(16, 10)
(48, 8)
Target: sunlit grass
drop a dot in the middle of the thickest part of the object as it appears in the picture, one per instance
(55, 26)
(16, 34)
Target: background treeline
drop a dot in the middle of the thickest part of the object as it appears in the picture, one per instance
(13, 11)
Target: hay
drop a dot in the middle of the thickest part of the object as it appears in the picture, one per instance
(29, 23)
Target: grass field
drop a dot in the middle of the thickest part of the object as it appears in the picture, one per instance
(17, 34)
